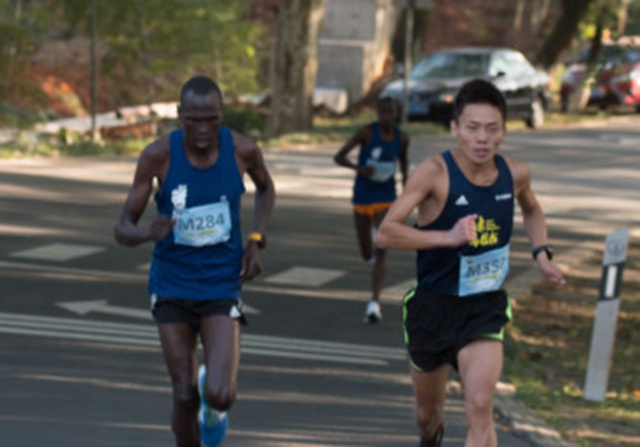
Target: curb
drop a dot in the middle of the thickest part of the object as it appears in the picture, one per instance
(511, 412)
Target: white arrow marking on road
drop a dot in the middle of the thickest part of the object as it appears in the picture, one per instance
(103, 307)
(249, 309)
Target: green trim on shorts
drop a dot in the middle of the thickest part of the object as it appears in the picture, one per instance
(500, 335)
(414, 366)
(405, 299)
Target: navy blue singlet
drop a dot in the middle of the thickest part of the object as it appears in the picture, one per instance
(383, 155)
(482, 265)
(201, 258)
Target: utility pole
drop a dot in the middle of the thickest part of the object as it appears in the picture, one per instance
(94, 75)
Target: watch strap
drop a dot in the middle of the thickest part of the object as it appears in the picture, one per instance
(537, 250)
(259, 238)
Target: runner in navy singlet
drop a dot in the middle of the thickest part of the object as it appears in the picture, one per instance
(383, 148)
(456, 313)
(199, 261)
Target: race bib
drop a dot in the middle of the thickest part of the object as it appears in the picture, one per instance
(202, 225)
(382, 170)
(483, 273)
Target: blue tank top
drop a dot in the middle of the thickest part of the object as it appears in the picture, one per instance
(482, 265)
(382, 155)
(201, 258)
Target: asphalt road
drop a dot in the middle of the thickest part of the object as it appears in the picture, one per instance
(81, 362)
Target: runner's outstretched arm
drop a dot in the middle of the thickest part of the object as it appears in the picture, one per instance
(358, 139)
(265, 194)
(534, 221)
(127, 231)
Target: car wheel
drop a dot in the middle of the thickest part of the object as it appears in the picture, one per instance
(536, 117)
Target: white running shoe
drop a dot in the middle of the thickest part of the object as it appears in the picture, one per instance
(373, 314)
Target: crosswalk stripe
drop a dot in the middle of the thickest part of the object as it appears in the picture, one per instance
(58, 252)
(305, 276)
(400, 287)
(146, 335)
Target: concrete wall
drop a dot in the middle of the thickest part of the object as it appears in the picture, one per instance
(354, 44)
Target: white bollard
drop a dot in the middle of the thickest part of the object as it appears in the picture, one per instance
(604, 326)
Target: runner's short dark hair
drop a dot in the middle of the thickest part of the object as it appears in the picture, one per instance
(385, 100)
(479, 91)
(200, 85)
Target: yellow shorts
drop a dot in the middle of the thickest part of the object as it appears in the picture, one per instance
(372, 209)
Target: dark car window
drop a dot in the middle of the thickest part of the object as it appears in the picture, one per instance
(451, 65)
(631, 57)
(608, 53)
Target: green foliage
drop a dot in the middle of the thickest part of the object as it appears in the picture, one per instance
(16, 117)
(633, 19)
(148, 47)
(606, 13)
(245, 120)
(28, 144)
(22, 26)
(155, 45)
(87, 148)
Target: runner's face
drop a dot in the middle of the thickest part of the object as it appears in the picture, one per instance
(479, 131)
(201, 116)
(387, 113)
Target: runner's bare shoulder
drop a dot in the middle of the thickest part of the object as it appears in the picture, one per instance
(155, 157)
(247, 150)
(519, 171)
(432, 168)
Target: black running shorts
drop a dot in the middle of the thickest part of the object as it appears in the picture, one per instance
(170, 310)
(437, 327)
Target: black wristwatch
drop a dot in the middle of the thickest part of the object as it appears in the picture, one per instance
(537, 250)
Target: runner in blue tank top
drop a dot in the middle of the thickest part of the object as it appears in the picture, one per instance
(199, 261)
(382, 148)
(456, 314)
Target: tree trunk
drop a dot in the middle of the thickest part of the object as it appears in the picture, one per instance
(11, 51)
(539, 16)
(563, 33)
(146, 63)
(296, 64)
(623, 17)
(517, 18)
(580, 96)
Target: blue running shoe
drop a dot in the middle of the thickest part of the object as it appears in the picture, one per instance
(213, 425)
